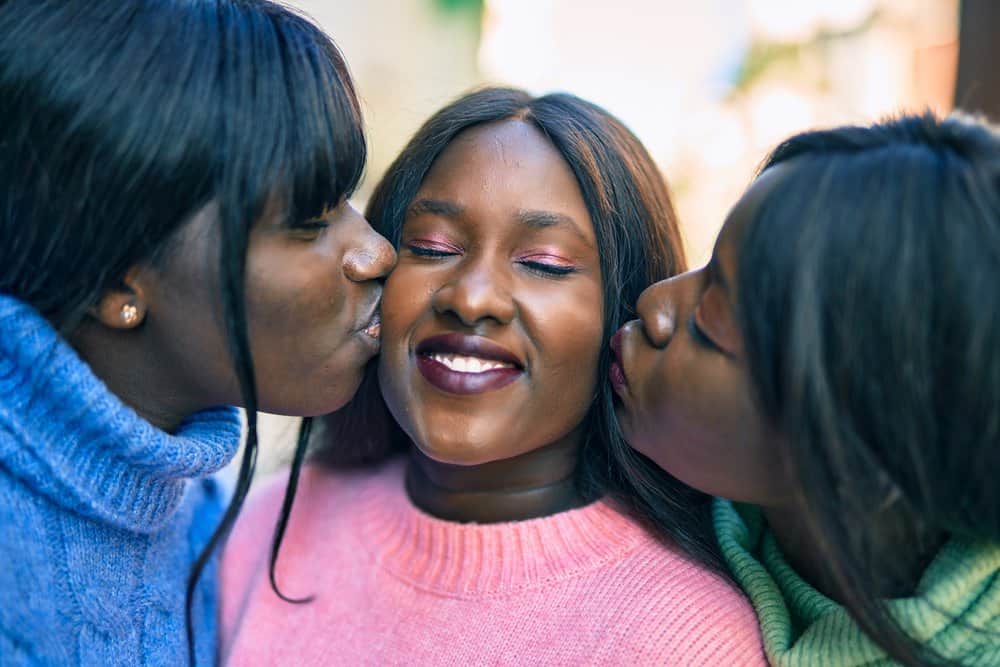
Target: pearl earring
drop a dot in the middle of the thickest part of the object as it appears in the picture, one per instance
(129, 313)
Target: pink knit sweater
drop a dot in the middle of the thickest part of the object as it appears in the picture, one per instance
(394, 586)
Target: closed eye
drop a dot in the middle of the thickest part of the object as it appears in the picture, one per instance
(546, 269)
(699, 336)
(429, 252)
(308, 230)
(431, 249)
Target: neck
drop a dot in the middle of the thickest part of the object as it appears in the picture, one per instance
(130, 373)
(906, 552)
(535, 484)
(800, 550)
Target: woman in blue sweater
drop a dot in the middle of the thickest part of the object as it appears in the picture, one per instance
(174, 237)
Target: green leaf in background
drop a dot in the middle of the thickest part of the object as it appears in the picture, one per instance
(456, 6)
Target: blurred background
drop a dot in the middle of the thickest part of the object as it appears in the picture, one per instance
(708, 86)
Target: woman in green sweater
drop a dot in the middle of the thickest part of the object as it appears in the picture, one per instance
(834, 372)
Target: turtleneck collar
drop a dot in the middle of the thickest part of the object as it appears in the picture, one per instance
(65, 434)
(955, 608)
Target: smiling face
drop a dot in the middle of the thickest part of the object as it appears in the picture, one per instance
(686, 396)
(492, 321)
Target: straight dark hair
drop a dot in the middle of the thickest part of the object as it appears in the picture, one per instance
(870, 309)
(123, 118)
(639, 243)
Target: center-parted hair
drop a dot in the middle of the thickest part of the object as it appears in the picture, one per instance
(638, 242)
(120, 119)
(869, 290)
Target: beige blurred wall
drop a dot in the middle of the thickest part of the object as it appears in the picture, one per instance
(408, 58)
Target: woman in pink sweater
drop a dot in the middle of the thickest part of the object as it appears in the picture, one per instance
(484, 521)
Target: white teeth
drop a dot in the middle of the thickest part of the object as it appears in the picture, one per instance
(462, 364)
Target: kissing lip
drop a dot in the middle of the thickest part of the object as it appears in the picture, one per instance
(369, 330)
(373, 316)
(459, 382)
(616, 372)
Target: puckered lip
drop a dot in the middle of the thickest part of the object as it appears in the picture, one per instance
(373, 316)
(466, 345)
(616, 346)
(616, 371)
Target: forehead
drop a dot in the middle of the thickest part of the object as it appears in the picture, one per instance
(501, 170)
(742, 215)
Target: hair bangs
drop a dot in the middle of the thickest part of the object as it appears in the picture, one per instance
(292, 123)
(324, 148)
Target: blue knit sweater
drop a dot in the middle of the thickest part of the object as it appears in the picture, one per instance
(99, 519)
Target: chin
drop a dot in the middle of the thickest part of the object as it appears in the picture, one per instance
(639, 442)
(458, 453)
(319, 402)
(346, 389)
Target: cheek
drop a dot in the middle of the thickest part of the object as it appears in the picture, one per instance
(186, 306)
(405, 300)
(702, 403)
(295, 292)
(700, 424)
(568, 329)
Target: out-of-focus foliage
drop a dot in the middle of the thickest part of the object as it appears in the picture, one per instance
(474, 7)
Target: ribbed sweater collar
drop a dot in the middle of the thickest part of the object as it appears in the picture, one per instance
(65, 434)
(476, 560)
(955, 608)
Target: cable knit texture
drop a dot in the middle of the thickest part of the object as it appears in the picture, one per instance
(394, 586)
(955, 609)
(99, 523)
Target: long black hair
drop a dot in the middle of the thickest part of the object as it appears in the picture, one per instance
(869, 301)
(122, 118)
(639, 242)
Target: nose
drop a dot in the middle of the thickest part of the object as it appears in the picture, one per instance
(372, 257)
(663, 305)
(474, 293)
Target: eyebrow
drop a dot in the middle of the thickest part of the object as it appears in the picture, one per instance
(446, 209)
(715, 269)
(544, 219)
(535, 219)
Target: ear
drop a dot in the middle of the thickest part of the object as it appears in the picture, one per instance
(123, 307)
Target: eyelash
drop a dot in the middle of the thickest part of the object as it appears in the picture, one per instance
(547, 270)
(541, 268)
(312, 229)
(699, 336)
(424, 251)
(310, 225)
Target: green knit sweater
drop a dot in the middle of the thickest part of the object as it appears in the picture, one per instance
(956, 607)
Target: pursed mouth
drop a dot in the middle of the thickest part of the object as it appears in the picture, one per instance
(616, 372)
(374, 328)
(372, 325)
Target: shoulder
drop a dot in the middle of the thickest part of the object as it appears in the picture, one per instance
(254, 529)
(677, 611)
(318, 528)
(324, 499)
